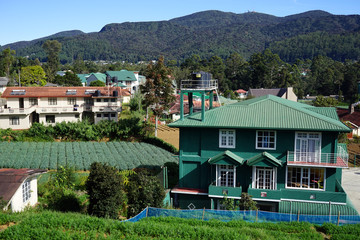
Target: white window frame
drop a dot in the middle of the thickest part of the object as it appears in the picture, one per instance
(228, 134)
(14, 121)
(33, 102)
(48, 120)
(309, 180)
(26, 190)
(227, 171)
(52, 101)
(273, 177)
(309, 156)
(262, 145)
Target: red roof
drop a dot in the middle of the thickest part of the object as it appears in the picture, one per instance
(11, 179)
(62, 92)
(345, 115)
(241, 91)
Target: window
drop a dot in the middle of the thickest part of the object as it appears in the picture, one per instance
(106, 100)
(98, 100)
(14, 121)
(265, 140)
(89, 101)
(264, 178)
(50, 118)
(112, 99)
(26, 191)
(113, 115)
(77, 115)
(98, 115)
(71, 101)
(308, 178)
(33, 101)
(307, 147)
(226, 138)
(225, 175)
(106, 115)
(52, 101)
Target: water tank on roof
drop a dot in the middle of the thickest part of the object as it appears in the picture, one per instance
(97, 93)
(202, 79)
(108, 80)
(115, 80)
(115, 93)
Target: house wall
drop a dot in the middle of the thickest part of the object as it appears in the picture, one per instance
(24, 121)
(198, 145)
(17, 203)
(67, 117)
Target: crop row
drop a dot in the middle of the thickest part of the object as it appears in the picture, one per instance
(50, 155)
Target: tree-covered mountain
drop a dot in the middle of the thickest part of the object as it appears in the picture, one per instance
(211, 33)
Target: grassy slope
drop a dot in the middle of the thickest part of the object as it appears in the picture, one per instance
(53, 225)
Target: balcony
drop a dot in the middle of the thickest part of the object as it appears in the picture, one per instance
(16, 111)
(58, 109)
(220, 191)
(335, 160)
(198, 84)
(106, 108)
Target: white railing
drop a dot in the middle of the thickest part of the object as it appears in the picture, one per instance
(58, 109)
(106, 108)
(198, 84)
(338, 160)
(6, 111)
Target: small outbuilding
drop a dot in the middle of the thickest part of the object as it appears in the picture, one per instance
(18, 187)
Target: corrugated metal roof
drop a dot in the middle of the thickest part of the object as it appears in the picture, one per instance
(122, 75)
(223, 155)
(83, 77)
(315, 208)
(261, 157)
(267, 112)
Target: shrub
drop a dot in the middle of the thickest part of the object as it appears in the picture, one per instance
(104, 187)
(144, 190)
(161, 144)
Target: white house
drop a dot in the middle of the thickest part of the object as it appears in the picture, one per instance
(50, 105)
(18, 187)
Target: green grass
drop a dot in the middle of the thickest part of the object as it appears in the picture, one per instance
(54, 225)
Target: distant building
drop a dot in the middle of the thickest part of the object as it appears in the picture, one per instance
(3, 83)
(286, 93)
(50, 105)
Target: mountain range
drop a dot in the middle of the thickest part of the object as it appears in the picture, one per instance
(210, 33)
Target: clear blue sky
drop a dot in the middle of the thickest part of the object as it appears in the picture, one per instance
(30, 19)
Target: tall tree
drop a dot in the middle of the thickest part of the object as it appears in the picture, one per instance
(235, 71)
(158, 89)
(33, 75)
(7, 59)
(52, 49)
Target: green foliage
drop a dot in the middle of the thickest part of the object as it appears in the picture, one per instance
(52, 49)
(32, 75)
(161, 143)
(143, 190)
(322, 101)
(97, 83)
(104, 186)
(59, 192)
(69, 79)
(135, 103)
(246, 202)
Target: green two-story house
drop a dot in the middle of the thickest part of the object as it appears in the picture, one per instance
(284, 154)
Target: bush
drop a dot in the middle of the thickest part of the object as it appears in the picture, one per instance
(104, 186)
(143, 190)
(161, 144)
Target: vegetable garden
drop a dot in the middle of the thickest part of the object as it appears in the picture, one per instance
(50, 155)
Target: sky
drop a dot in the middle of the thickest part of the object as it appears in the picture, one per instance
(24, 20)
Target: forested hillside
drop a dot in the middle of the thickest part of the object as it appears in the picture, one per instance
(211, 33)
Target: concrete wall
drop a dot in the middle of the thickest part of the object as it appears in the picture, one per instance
(24, 121)
(17, 203)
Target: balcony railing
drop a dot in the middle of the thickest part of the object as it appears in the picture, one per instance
(221, 191)
(6, 111)
(336, 160)
(198, 84)
(106, 108)
(58, 109)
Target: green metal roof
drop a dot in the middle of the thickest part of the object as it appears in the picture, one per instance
(264, 159)
(315, 208)
(266, 112)
(226, 157)
(83, 77)
(122, 75)
(99, 76)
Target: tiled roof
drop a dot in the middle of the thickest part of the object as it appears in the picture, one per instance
(240, 91)
(344, 115)
(61, 91)
(11, 179)
(266, 91)
(122, 75)
(267, 112)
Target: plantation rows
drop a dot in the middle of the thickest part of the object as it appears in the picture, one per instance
(50, 155)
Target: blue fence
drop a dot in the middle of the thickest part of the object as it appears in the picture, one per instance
(250, 216)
